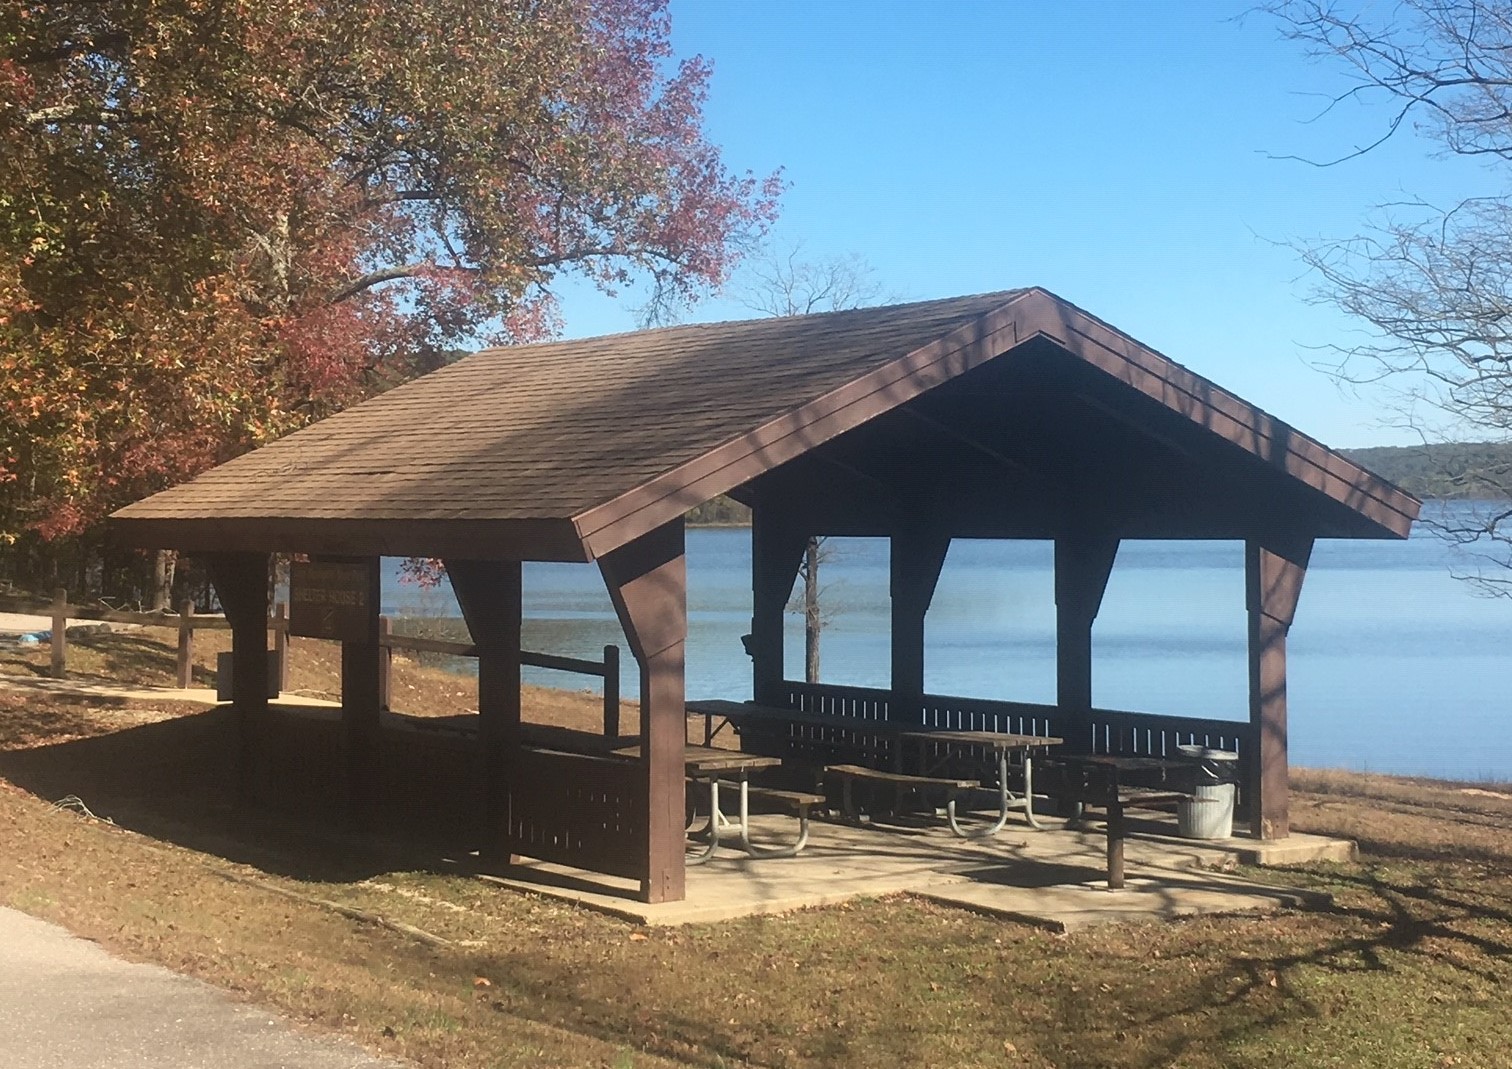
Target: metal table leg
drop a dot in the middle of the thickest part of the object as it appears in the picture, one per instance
(769, 852)
(1003, 806)
(1029, 792)
(713, 829)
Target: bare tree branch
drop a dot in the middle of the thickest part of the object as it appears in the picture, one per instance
(1431, 284)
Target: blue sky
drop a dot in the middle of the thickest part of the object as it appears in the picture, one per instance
(1126, 155)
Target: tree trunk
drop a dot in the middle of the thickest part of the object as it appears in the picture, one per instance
(164, 563)
(812, 621)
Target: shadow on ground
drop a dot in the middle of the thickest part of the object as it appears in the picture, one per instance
(176, 780)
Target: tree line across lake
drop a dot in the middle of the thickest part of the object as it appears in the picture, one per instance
(1445, 470)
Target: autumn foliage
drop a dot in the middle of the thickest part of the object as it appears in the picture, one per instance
(220, 219)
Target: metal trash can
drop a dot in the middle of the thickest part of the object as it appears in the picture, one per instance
(1210, 815)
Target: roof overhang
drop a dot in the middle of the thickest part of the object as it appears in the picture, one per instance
(545, 540)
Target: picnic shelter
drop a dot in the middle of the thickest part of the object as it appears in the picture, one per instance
(1009, 415)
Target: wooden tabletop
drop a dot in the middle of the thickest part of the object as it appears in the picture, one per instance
(711, 759)
(1127, 762)
(996, 739)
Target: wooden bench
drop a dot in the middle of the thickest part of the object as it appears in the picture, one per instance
(850, 774)
(800, 802)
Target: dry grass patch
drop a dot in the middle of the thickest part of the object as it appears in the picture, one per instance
(1409, 972)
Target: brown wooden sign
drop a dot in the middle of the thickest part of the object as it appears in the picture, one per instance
(332, 600)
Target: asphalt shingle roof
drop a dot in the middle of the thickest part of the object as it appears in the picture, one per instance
(548, 431)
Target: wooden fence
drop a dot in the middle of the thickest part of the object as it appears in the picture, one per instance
(187, 621)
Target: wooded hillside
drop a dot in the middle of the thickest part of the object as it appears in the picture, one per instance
(1480, 470)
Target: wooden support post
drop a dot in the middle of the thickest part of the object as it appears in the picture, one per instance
(59, 667)
(611, 691)
(361, 706)
(1273, 583)
(281, 644)
(647, 581)
(1082, 566)
(776, 551)
(385, 665)
(241, 583)
(916, 558)
(185, 663)
(491, 596)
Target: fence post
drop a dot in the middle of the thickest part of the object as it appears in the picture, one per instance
(611, 691)
(385, 664)
(60, 633)
(281, 644)
(186, 645)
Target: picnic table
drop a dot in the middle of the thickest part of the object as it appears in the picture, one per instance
(730, 769)
(749, 712)
(1003, 745)
(1114, 782)
(935, 747)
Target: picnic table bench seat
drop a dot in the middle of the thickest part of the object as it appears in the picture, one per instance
(799, 802)
(850, 774)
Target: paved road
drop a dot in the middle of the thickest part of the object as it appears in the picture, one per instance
(67, 1004)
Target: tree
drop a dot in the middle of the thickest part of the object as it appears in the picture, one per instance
(1432, 283)
(784, 283)
(220, 220)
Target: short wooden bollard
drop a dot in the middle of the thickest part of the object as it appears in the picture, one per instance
(60, 633)
(186, 645)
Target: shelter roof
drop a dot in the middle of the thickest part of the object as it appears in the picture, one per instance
(566, 450)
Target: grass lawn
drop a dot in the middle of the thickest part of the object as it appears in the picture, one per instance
(412, 957)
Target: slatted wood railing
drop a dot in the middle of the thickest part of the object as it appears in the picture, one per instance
(1111, 731)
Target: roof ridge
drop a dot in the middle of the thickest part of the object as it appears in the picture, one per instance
(671, 328)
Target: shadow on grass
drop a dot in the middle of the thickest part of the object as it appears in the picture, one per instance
(1405, 925)
(131, 656)
(176, 780)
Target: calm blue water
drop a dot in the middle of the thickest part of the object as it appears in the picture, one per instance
(1395, 666)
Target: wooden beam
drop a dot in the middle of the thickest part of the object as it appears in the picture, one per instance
(647, 581)
(776, 552)
(1144, 428)
(970, 442)
(490, 593)
(1273, 583)
(361, 707)
(241, 583)
(1083, 563)
(917, 554)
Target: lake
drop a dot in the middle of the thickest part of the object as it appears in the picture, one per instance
(1395, 665)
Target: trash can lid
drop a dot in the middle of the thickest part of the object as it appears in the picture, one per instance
(1203, 753)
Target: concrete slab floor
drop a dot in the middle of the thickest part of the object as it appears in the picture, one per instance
(1054, 877)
